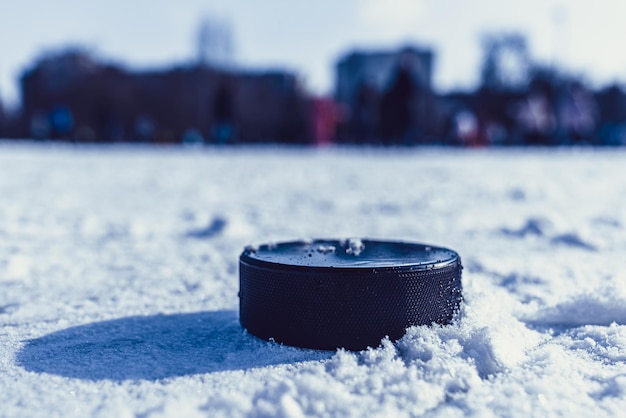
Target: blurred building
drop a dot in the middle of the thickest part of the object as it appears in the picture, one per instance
(71, 96)
(381, 97)
(387, 94)
(377, 68)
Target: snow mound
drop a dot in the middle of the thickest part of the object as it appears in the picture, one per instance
(603, 307)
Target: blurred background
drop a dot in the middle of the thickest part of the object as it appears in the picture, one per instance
(377, 72)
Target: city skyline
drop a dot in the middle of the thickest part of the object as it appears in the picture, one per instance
(309, 38)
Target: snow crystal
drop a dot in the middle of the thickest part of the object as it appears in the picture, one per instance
(354, 246)
(325, 249)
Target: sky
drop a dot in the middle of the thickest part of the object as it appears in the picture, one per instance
(309, 37)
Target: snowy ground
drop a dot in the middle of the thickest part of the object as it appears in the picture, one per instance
(119, 280)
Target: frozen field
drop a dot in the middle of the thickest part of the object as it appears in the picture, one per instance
(119, 280)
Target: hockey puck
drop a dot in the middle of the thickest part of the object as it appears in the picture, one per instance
(329, 294)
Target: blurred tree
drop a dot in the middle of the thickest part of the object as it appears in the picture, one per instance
(215, 43)
(506, 63)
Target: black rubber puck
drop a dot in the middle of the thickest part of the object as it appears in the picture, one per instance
(329, 294)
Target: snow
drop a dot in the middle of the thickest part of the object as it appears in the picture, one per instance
(355, 246)
(119, 280)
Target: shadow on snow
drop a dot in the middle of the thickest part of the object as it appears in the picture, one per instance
(156, 347)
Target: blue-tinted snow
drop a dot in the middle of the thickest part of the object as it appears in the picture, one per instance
(119, 280)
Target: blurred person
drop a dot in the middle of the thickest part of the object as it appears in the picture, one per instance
(612, 116)
(577, 114)
(395, 108)
(85, 133)
(536, 115)
(223, 128)
(61, 122)
(496, 133)
(365, 113)
(192, 138)
(39, 125)
(144, 128)
(326, 115)
(465, 129)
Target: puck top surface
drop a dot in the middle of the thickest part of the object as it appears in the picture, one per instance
(351, 254)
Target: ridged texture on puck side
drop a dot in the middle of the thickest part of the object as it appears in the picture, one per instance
(344, 308)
